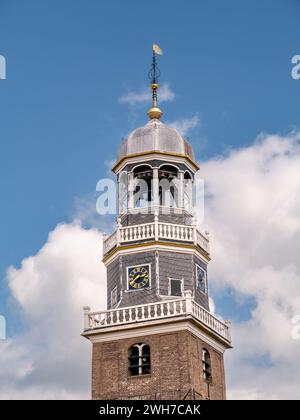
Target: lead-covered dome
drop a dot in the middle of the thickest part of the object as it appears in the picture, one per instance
(155, 136)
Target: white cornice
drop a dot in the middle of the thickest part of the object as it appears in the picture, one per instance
(146, 157)
(156, 247)
(152, 327)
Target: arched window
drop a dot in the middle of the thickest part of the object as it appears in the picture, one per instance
(168, 193)
(206, 365)
(143, 175)
(139, 359)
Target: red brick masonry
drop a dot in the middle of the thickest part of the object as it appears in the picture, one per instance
(176, 369)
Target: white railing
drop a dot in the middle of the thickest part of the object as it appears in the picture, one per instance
(155, 230)
(176, 232)
(152, 311)
(137, 232)
(203, 241)
(109, 242)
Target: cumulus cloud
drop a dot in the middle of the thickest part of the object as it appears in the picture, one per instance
(253, 213)
(184, 125)
(132, 98)
(49, 359)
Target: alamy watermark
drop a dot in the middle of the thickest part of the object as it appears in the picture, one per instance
(296, 69)
(2, 328)
(172, 196)
(2, 68)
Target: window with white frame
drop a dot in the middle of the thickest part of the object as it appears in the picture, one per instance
(139, 359)
(114, 296)
(206, 365)
(175, 287)
(201, 279)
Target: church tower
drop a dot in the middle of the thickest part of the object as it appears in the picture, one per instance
(157, 339)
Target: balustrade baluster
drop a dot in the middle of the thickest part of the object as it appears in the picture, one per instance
(181, 307)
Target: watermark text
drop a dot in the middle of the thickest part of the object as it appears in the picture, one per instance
(2, 68)
(296, 69)
(2, 328)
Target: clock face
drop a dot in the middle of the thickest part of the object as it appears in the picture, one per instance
(201, 279)
(138, 277)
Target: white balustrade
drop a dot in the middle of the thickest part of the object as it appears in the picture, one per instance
(164, 309)
(109, 242)
(169, 231)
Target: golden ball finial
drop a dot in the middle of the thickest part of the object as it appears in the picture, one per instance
(154, 113)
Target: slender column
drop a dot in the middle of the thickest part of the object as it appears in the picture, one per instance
(131, 190)
(119, 231)
(155, 187)
(188, 300)
(180, 203)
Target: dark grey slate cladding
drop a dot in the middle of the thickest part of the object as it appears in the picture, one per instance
(200, 297)
(138, 297)
(171, 265)
(177, 266)
(113, 280)
(129, 219)
(136, 219)
(177, 219)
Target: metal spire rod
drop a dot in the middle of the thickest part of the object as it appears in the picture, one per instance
(154, 74)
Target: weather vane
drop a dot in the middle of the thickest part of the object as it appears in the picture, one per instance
(154, 112)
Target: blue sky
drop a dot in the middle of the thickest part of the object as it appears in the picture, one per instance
(69, 62)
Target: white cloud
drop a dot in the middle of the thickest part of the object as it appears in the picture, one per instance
(184, 125)
(253, 213)
(50, 359)
(85, 212)
(165, 94)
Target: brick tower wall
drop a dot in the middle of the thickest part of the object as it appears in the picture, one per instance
(176, 369)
